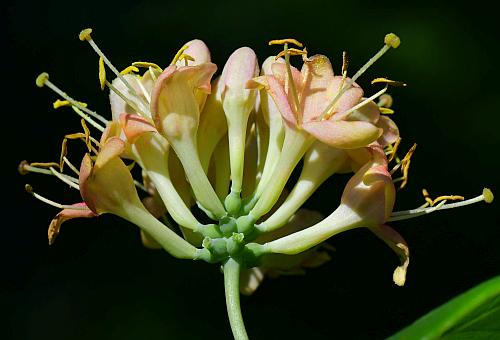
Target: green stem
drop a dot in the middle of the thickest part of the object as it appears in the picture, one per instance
(232, 287)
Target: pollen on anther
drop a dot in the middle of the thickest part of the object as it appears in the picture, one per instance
(85, 34)
(41, 79)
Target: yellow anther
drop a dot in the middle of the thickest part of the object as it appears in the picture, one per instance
(146, 64)
(427, 197)
(286, 41)
(41, 79)
(488, 195)
(392, 40)
(85, 34)
(44, 165)
(405, 165)
(179, 53)
(87, 135)
(432, 202)
(385, 100)
(386, 111)
(60, 103)
(128, 70)
(393, 149)
(446, 198)
(345, 63)
(186, 58)
(388, 82)
(291, 51)
(102, 73)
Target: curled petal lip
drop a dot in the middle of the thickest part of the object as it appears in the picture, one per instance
(343, 134)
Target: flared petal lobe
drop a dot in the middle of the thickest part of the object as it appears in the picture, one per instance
(174, 106)
(81, 211)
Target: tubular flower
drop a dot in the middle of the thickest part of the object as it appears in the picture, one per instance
(226, 148)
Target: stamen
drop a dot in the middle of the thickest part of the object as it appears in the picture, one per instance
(146, 64)
(85, 36)
(71, 166)
(88, 119)
(186, 58)
(405, 165)
(486, 196)
(432, 202)
(292, 51)
(145, 93)
(102, 73)
(60, 103)
(43, 79)
(386, 111)
(179, 53)
(129, 69)
(360, 105)
(29, 189)
(152, 73)
(64, 179)
(390, 40)
(127, 100)
(291, 85)
(286, 41)
(388, 82)
(392, 151)
(385, 101)
(345, 63)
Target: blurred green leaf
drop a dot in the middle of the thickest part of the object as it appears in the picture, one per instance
(474, 314)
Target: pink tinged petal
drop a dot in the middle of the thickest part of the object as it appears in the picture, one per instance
(370, 192)
(281, 100)
(134, 126)
(113, 129)
(317, 75)
(240, 67)
(391, 131)
(174, 106)
(279, 71)
(107, 186)
(397, 243)
(343, 134)
(368, 113)
(198, 50)
(349, 99)
(65, 215)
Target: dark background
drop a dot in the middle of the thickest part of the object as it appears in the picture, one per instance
(98, 282)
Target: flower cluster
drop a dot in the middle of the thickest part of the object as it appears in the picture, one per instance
(228, 147)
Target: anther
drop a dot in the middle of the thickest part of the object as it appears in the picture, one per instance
(486, 196)
(179, 53)
(145, 64)
(129, 69)
(42, 79)
(102, 73)
(292, 51)
(286, 41)
(388, 82)
(60, 103)
(345, 63)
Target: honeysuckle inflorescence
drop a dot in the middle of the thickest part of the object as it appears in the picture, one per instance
(227, 145)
